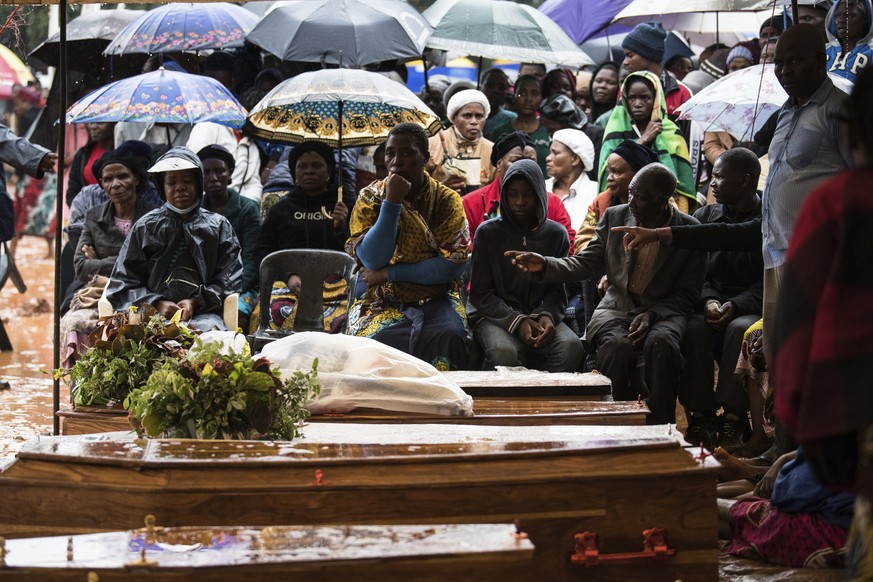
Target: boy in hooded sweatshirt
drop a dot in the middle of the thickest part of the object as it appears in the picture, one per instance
(517, 319)
(849, 26)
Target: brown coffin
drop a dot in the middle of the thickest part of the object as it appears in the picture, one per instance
(557, 481)
(487, 411)
(340, 554)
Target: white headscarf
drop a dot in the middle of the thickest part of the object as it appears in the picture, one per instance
(578, 143)
(462, 98)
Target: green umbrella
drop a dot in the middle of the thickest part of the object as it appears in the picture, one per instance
(499, 29)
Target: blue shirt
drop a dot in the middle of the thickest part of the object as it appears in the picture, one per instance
(848, 65)
(807, 149)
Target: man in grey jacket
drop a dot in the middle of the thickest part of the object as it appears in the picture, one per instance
(19, 153)
(651, 292)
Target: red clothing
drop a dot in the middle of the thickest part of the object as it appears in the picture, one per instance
(676, 97)
(87, 172)
(482, 204)
(823, 337)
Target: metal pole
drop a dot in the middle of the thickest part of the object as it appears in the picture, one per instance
(794, 11)
(339, 147)
(59, 213)
(424, 68)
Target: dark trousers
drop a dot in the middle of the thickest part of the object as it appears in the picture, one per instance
(617, 358)
(701, 347)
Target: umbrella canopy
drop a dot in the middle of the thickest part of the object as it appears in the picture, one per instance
(12, 72)
(160, 96)
(582, 19)
(185, 27)
(499, 29)
(344, 32)
(703, 22)
(737, 100)
(310, 106)
(89, 33)
(643, 8)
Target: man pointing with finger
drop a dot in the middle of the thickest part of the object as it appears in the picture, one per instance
(651, 292)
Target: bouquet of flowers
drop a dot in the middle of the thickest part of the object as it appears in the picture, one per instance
(214, 393)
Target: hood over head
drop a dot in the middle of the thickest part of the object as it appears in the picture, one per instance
(176, 158)
(831, 26)
(530, 171)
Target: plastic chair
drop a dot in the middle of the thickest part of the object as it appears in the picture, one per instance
(313, 266)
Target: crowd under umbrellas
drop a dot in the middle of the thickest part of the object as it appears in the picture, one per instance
(346, 107)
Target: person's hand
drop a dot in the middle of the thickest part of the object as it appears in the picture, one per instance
(47, 163)
(712, 311)
(653, 130)
(340, 214)
(726, 313)
(396, 188)
(634, 236)
(167, 308)
(528, 331)
(764, 488)
(89, 252)
(548, 333)
(525, 261)
(456, 183)
(189, 308)
(639, 327)
(295, 283)
(373, 278)
(602, 285)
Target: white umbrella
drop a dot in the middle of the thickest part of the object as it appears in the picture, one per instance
(499, 29)
(703, 22)
(659, 7)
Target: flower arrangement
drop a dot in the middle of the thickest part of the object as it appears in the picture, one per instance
(211, 393)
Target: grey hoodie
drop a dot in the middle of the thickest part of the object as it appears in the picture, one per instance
(500, 292)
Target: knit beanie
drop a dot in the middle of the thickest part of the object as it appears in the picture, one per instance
(647, 40)
(716, 64)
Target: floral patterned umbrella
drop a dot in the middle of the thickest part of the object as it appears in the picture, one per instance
(739, 103)
(160, 96)
(311, 105)
(185, 27)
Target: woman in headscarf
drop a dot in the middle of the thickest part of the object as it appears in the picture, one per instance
(559, 82)
(571, 157)
(309, 217)
(560, 112)
(641, 116)
(526, 100)
(409, 235)
(179, 257)
(460, 157)
(106, 226)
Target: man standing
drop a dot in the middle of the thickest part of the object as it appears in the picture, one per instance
(729, 304)
(650, 292)
(807, 149)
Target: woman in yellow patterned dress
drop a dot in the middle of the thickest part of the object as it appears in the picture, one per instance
(409, 236)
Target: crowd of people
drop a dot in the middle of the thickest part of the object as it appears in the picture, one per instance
(564, 220)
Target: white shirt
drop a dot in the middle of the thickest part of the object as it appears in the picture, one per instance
(582, 193)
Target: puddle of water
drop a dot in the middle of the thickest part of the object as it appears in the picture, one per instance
(26, 406)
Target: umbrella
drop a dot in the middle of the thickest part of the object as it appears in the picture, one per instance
(338, 107)
(582, 19)
(499, 29)
(12, 72)
(739, 103)
(703, 22)
(160, 96)
(185, 27)
(87, 34)
(344, 32)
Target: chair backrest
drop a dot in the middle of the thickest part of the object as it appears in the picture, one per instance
(313, 266)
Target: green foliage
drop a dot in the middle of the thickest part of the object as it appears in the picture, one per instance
(208, 394)
(127, 348)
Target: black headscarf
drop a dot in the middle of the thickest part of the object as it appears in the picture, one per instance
(637, 156)
(317, 147)
(510, 141)
(127, 160)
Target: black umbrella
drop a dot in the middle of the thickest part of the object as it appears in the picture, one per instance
(88, 35)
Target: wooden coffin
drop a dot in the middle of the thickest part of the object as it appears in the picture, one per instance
(522, 382)
(342, 553)
(487, 411)
(566, 486)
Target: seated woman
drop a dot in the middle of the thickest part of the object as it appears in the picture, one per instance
(460, 157)
(179, 257)
(310, 216)
(518, 320)
(409, 236)
(106, 226)
(641, 115)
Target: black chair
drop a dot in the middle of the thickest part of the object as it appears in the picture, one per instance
(313, 266)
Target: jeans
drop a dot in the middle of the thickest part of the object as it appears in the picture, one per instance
(563, 354)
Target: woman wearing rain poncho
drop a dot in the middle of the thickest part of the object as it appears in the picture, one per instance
(642, 116)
